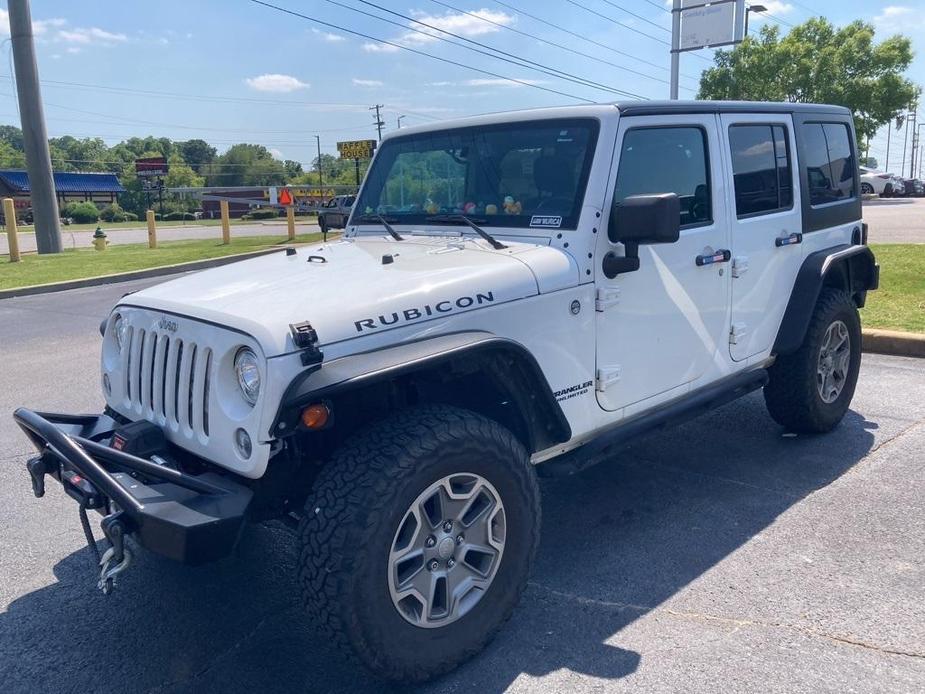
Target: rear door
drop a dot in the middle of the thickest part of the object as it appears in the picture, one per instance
(759, 151)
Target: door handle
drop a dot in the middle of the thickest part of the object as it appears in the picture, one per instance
(721, 256)
(789, 240)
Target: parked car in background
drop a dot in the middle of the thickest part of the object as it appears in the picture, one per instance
(914, 187)
(334, 213)
(899, 186)
(876, 182)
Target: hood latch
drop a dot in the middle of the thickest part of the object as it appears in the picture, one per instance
(306, 339)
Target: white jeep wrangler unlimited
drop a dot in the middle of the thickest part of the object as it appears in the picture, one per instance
(514, 294)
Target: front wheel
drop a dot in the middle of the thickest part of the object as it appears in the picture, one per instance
(810, 390)
(867, 188)
(418, 539)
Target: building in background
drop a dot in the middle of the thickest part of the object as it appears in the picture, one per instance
(99, 188)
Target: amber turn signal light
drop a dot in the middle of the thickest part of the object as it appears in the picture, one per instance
(315, 416)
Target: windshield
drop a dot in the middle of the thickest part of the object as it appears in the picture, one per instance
(528, 174)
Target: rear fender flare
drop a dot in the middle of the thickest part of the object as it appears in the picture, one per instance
(850, 267)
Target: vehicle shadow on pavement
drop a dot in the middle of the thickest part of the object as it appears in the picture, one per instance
(618, 540)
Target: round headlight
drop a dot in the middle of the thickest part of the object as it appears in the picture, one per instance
(120, 331)
(245, 368)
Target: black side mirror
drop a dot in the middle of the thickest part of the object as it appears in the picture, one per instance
(646, 219)
(641, 219)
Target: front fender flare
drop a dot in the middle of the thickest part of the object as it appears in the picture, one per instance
(510, 361)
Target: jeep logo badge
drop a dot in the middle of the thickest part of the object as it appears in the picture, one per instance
(168, 325)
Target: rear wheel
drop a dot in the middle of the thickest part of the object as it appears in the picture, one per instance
(323, 224)
(418, 540)
(810, 390)
(867, 188)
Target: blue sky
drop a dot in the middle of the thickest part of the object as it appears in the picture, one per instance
(231, 71)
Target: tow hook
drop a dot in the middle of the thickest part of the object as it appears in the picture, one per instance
(117, 558)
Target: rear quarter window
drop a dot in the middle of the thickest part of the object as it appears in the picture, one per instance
(828, 159)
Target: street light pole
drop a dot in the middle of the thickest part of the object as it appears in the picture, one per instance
(35, 136)
(749, 10)
(320, 175)
(675, 47)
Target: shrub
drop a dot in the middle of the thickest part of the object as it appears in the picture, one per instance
(114, 213)
(262, 214)
(82, 212)
(179, 216)
(130, 216)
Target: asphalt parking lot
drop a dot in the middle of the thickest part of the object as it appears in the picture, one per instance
(896, 220)
(722, 556)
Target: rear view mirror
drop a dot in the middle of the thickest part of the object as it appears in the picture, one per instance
(642, 219)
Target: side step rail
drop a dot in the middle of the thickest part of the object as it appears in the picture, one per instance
(669, 415)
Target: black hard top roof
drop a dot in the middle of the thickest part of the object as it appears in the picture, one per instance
(653, 108)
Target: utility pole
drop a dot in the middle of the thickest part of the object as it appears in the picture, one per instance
(913, 117)
(889, 136)
(675, 46)
(378, 122)
(320, 177)
(35, 136)
(902, 166)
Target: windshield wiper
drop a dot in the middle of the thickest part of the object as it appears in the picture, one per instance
(495, 243)
(384, 222)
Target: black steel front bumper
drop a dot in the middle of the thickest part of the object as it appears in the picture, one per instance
(190, 518)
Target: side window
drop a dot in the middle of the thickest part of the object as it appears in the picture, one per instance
(667, 160)
(760, 168)
(829, 162)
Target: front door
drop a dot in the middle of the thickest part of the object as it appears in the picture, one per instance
(766, 250)
(663, 328)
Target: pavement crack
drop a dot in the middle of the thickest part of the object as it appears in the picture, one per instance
(736, 623)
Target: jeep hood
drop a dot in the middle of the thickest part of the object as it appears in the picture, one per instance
(359, 286)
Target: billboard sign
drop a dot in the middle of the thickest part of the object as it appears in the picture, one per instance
(707, 25)
(356, 149)
(150, 167)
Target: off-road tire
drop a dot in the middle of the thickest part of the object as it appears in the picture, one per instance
(351, 518)
(791, 395)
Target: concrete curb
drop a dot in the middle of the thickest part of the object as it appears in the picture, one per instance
(134, 275)
(893, 342)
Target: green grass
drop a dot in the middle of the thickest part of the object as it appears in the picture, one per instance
(899, 303)
(142, 224)
(87, 262)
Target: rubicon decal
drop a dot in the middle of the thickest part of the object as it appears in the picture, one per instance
(418, 312)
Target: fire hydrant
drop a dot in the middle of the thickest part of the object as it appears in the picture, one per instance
(99, 240)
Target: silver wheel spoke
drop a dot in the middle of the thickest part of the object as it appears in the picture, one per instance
(833, 362)
(446, 550)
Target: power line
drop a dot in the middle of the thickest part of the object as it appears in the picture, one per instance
(418, 52)
(514, 59)
(547, 42)
(637, 16)
(558, 28)
(214, 98)
(617, 22)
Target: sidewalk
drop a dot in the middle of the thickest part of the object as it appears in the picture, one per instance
(84, 239)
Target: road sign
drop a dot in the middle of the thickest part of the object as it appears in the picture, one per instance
(707, 25)
(151, 166)
(356, 149)
(285, 197)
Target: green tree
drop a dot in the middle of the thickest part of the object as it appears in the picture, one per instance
(818, 63)
(293, 169)
(197, 153)
(246, 165)
(12, 136)
(10, 157)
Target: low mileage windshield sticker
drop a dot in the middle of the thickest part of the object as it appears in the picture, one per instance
(548, 221)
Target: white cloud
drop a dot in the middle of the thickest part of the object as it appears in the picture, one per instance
(276, 154)
(91, 35)
(900, 18)
(379, 48)
(492, 82)
(366, 83)
(777, 8)
(39, 26)
(472, 24)
(328, 36)
(276, 83)
(73, 50)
